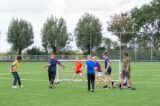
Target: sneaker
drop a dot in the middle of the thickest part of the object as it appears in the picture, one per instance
(112, 84)
(21, 86)
(14, 86)
(51, 86)
(105, 86)
(92, 90)
(133, 88)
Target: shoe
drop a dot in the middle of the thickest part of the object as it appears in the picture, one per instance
(14, 86)
(105, 86)
(21, 86)
(92, 90)
(51, 86)
(133, 88)
(112, 84)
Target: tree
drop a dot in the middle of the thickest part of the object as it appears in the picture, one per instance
(147, 22)
(20, 35)
(107, 42)
(54, 34)
(121, 26)
(34, 51)
(88, 33)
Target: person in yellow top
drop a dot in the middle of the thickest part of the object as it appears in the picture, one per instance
(13, 69)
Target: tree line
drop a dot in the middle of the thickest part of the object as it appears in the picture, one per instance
(140, 25)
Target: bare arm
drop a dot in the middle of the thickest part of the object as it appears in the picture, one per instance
(127, 68)
(62, 65)
(48, 65)
(107, 66)
(11, 69)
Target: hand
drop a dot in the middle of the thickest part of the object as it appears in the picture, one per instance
(11, 70)
(126, 71)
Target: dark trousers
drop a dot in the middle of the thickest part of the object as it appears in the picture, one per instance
(16, 79)
(51, 76)
(91, 81)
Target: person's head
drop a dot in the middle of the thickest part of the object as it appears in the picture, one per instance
(77, 59)
(125, 54)
(19, 58)
(105, 54)
(89, 57)
(52, 55)
(94, 58)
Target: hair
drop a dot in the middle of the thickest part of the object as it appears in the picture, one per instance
(19, 58)
(89, 56)
(52, 53)
(105, 53)
(126, 54)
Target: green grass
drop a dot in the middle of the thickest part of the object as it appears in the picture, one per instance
(36, 92)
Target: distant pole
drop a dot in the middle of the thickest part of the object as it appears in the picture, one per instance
(120, 47)
(135, 48)
(90, 40)
(151, 48)
(90, 44)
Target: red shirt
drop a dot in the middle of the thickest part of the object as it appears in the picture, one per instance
(78, 66)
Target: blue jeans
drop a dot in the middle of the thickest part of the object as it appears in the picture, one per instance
(16, 79)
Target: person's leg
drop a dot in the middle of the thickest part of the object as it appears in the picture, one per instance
(49, 77)
(107, 77)
(89, 78)
(97, 80)
(53, 75)
(81, 75)
(93, 81)
(129, 79)
(74, 76)
(19, 80)
(122, 78)
(15, 78)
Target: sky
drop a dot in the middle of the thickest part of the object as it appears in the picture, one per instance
(37, 11)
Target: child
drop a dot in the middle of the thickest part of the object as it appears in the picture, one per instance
(108, 69)
(126, 70)
(78, 70)
(90, 66)
(99, 71)
(52, 68)
(13, 69)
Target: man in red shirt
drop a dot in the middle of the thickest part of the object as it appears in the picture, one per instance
(78, 70)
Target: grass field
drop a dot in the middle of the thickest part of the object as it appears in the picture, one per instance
(146, 77)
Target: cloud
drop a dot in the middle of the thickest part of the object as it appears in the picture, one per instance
(20, 6)
(37, 11)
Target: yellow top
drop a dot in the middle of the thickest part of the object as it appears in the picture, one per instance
(15, 66)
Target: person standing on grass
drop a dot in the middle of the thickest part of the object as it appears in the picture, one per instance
(78, 70)
(13, 70)
(52, 68)
(126, 70)
(90, 67)
(108, 69)
(99, 71)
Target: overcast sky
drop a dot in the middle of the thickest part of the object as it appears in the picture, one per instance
(37, 11)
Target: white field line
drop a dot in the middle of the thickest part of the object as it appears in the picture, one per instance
(23, 79)
(135, 75)
(70, 80)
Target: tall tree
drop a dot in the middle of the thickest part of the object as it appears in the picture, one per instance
(88, 33)
(107, 42)
(54, 34)
(147, 21)
(121, 26)
(20, 35)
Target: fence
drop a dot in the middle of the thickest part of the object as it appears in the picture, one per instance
(138, 55)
